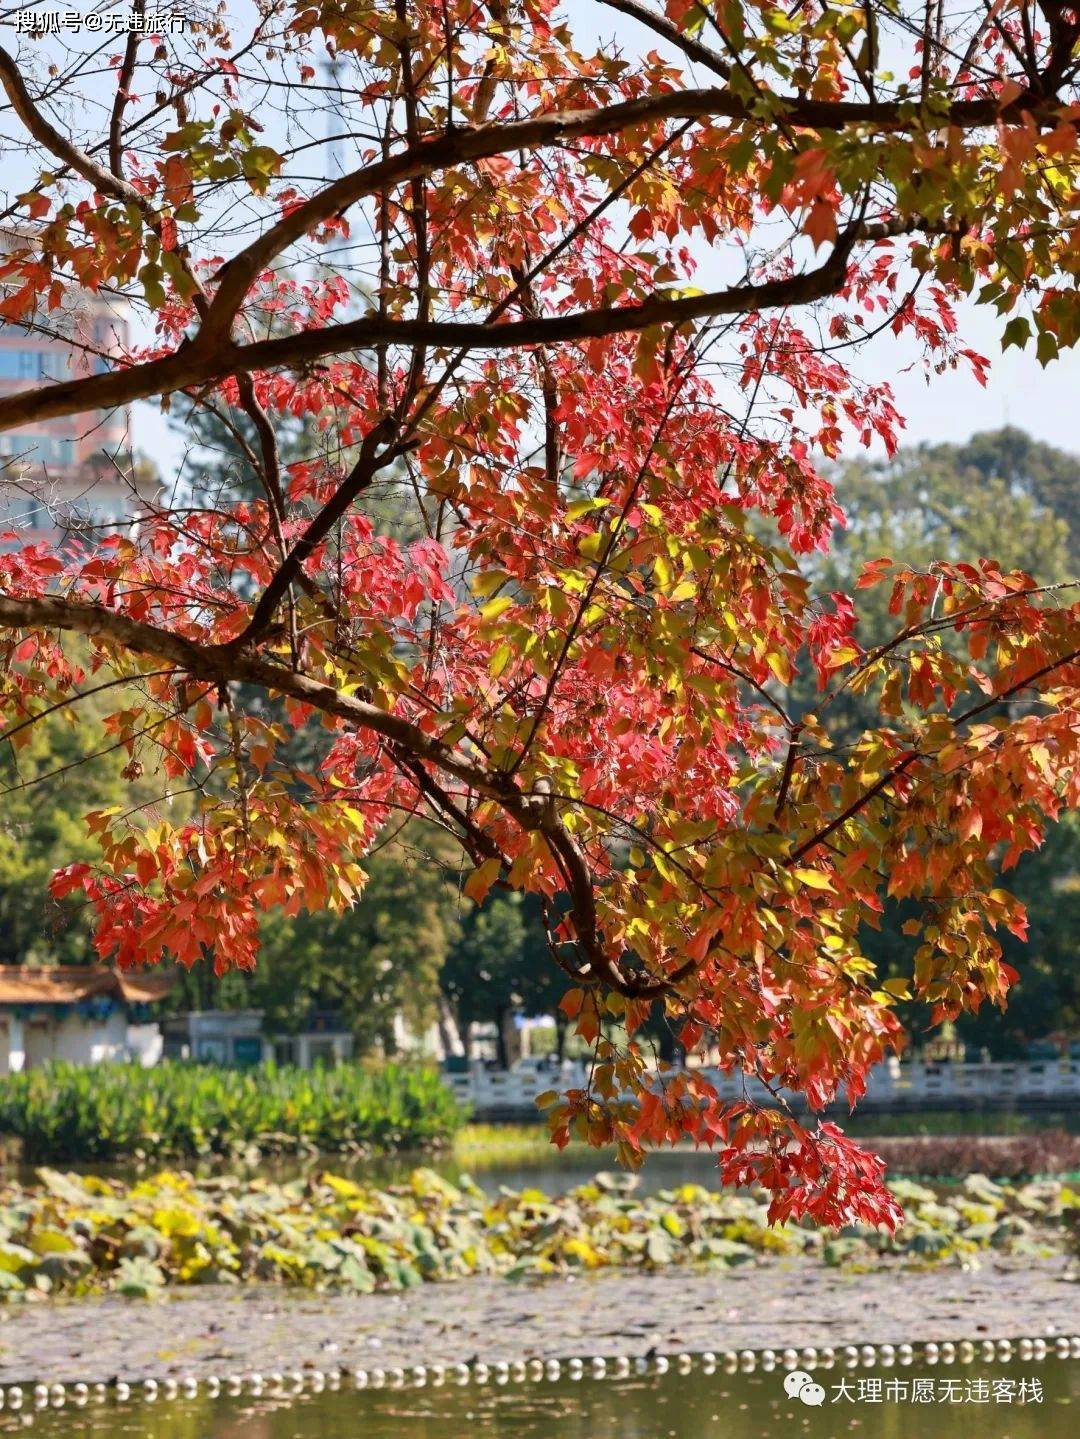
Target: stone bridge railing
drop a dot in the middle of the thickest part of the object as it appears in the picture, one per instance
(910, 1086)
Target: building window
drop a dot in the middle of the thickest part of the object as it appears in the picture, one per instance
(31, 364)
(38, 449)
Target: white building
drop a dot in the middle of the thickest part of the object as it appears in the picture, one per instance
(235, 1037)
(85, 1014)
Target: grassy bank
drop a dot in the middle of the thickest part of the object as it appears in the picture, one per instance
(82, 1234)
(946, 1155)
(68, 1114)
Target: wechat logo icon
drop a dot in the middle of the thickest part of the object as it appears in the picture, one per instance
(799, 1384)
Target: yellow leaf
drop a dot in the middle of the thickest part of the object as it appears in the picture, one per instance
(487, 583)
(494, 608)
(481, 880)
(814, 879)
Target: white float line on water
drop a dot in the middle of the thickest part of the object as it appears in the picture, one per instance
(520, 1371)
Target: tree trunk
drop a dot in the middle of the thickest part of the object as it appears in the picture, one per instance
(449, 1033)
(561, 1025)
(507, 1039)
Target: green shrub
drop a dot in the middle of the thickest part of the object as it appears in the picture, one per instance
(110, 1111)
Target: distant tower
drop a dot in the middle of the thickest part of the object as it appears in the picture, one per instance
(335, 121)
(334, 256)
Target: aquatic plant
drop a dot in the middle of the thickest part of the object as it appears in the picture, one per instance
(67, 1113)
(83, 1234)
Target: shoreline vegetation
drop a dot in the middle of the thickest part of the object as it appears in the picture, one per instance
(1034, 1154)
(77, 1234)
(213, 1118)
(66, 1113)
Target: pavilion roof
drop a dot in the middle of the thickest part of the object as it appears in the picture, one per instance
(70, 983)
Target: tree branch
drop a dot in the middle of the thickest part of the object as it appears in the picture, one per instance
(46, 134)
(120, 102)
(693, 49)
(207, 360)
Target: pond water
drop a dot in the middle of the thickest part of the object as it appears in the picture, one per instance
(546, 1168)
(1006, 1400)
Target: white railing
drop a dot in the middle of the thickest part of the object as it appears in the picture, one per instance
(900, 1086)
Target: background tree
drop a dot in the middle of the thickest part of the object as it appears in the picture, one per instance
(998, 493)
(373, 965)
(52, 775)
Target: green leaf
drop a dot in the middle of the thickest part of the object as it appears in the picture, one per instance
(1017, 332)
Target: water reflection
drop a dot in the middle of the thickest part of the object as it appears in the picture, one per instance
(1015, 1400)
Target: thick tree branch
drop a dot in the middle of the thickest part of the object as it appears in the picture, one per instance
(46, 134)
(461, 147)
(206, 360)
(120, 101)
(660, 25)
(220, 664)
